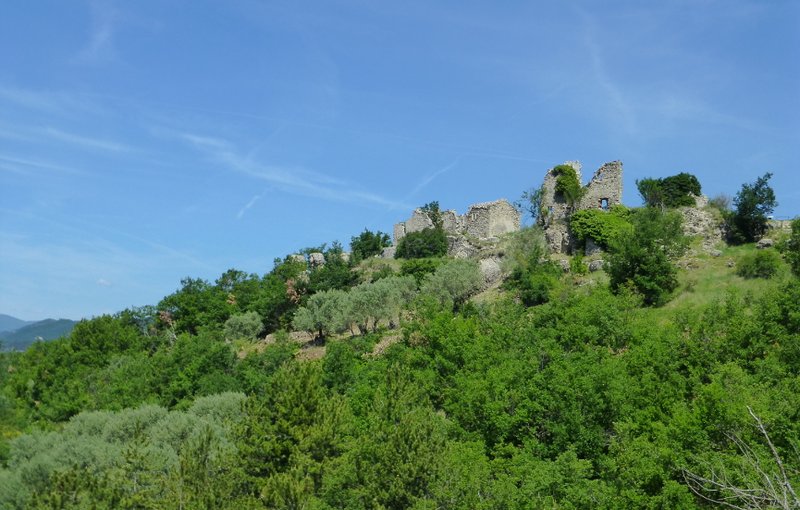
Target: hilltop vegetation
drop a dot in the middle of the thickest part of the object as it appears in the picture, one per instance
(667, 382)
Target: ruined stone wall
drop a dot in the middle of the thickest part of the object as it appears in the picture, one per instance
(484, 220)
(603, 191)
(491, 219)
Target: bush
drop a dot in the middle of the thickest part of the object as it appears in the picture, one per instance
(452, 283)
(673, 191)
(601, 226)
(641, 258)
(243, 326)
(760, 264)
(430, 242)
(754, 203)
(567, 184)
(368, 244)
(418, 268)
(792, 250)
(534, 276)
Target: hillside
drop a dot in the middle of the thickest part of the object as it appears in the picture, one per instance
(659, 371)
(48, 329)
(9, 323)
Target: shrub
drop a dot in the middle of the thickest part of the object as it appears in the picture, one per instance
(754, 203)
(368, 244)
(452, 283)
(640, 258)
(418, 268)
(760, 264)
(567, 184)
(601, 226)
(430, 242)
(673, 191)
(243, 326)
(792, 250)
(534, 277)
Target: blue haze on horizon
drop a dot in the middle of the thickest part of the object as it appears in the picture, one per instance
(142, 142)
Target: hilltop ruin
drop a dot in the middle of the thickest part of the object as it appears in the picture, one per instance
(603, 191)
(482, 222)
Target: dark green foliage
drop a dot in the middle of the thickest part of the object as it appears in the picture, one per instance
(430, 242)
(601, 226)
(368, 244)
(642, 258)
(752, 206)
(535, 277)
(335, 274)
(585, 401)
(568, 185)
(792, 248)
(759, 264)
(431, 210)
(418, 268)
(674, 191)
(577, 265)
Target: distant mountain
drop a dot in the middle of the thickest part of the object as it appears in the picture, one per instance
(47, 329)
(9, 323)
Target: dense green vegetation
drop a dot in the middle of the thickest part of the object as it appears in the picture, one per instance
(753, 205)
(674, 191)
(562, 391)
(599, 225)
(567, 184)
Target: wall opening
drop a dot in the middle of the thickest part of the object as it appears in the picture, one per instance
(604, 204)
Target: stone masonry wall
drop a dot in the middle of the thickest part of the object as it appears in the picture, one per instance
(603, 192)
(484, 220)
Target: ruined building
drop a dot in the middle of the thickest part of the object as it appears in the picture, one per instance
(482, 222)
(603, 192)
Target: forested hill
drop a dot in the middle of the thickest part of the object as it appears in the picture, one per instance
(667, 377)
(22, 336)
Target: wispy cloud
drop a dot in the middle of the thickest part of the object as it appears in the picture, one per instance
(619, 102)
(29, 166)
(433, 175)
(85, 141)
(250, 204)
(290, 179)
(100, 47)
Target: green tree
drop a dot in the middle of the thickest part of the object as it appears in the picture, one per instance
(642, 258)
(368, 244)
(674, 191)
(792, 251)
(430, 242)
(531, 202)
(452, 283)
(753, 204)
(245, 326)
(324, 313)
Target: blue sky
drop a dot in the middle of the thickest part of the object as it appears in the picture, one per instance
(142, 142)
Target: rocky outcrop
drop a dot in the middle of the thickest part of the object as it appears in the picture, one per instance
(490, 269)
(704, 223)
(765, 243)
(316, 259)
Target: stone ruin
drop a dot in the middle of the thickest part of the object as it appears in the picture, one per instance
(603, 191)
(482, 222)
